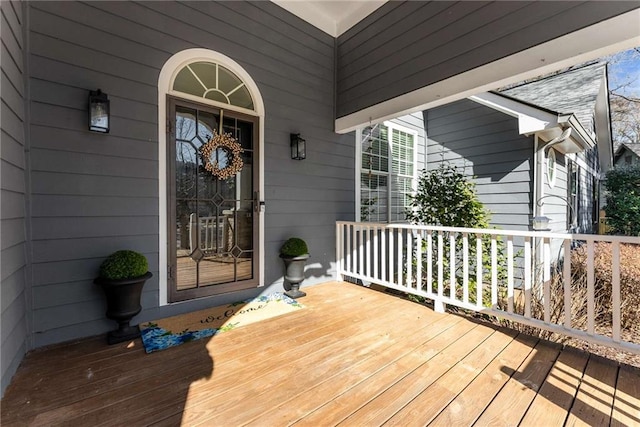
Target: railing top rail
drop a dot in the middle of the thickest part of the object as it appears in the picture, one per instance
(499, 232)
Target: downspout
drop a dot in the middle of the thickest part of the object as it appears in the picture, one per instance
(425, 121)
(538, 178)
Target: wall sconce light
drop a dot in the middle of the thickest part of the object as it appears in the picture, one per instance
(298, 147)
(540, 223)
(98, 111)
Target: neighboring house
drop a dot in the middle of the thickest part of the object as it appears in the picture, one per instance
(175, 72)
(627, 155)
(539, 148)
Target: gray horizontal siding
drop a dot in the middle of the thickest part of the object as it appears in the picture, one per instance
(404, 46)
(487, 146)
(13, 285)
(93, 194)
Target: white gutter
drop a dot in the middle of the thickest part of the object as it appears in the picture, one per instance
(530, 119)
(546, 124)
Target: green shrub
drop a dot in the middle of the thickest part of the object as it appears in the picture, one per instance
(623, 200)
(124, 265)
(294, 247)
(446, 197)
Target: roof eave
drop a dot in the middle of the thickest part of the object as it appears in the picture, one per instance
(581, 139)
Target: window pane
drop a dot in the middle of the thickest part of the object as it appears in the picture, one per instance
(186, 82)
(386, 154)
(241, 98)
(215, 82)
(206, 72)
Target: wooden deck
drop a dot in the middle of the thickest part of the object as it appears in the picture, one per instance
(353, 356)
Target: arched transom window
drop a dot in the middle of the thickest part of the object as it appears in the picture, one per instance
(212, 81)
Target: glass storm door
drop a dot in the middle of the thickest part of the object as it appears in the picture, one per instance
(213, 223)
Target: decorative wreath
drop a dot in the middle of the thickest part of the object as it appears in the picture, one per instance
(234, 149)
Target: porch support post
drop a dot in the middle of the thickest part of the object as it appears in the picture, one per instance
(439, 306)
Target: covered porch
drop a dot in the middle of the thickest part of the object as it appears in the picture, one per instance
(353, 356)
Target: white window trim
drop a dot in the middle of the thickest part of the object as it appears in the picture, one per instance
(414, 183)
(165, 85)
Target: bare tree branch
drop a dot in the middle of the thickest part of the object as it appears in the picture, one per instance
(626, 98)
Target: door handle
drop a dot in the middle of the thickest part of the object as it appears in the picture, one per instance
(256, 201)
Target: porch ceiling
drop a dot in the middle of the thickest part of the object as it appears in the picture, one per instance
(332, 17)
(352, 356)
(599, 39)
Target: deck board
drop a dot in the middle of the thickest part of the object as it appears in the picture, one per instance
(433, 399)
(353, 356)
(467, 407)
(559, 390)
(626, 407)
(364, 392)
(400, 394)
(326, 391)
(594, 400)
(521, 388)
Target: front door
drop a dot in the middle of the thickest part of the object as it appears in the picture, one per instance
(212, 217)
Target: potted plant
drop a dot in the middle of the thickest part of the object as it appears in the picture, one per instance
(122, 276)
(294, 253)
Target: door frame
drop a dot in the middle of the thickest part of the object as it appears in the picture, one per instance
(165, 83)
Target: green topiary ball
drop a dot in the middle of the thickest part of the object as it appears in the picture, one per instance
(294, 247)
(124, 265)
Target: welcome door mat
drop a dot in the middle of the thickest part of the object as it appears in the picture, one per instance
(164, 333)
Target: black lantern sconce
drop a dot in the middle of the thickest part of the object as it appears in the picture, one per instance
(98, 111)
(298, 147)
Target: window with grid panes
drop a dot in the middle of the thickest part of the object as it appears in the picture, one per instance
(387, 167)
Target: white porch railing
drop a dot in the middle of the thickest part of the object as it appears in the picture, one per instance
(516, 275)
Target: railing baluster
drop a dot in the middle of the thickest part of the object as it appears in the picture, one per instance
(375, 253)
(361, 250)
(367, 237)
(348, 246)
(440, 264)
(590, 288)
(339, 259)
(452, 265)
(385, 254)
(400, 257)
(479, 269)
(567, 283)
(419, 261)
(510, 274)
(390, 256)
(615, 290)
(429, 262)
(409, 256)
(465, 267)
(546, 245)
(207, 245)
(354, 248)
(527, 277)
(494, 272)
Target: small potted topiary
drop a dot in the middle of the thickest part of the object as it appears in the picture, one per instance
(122, 276)
(295, 253)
